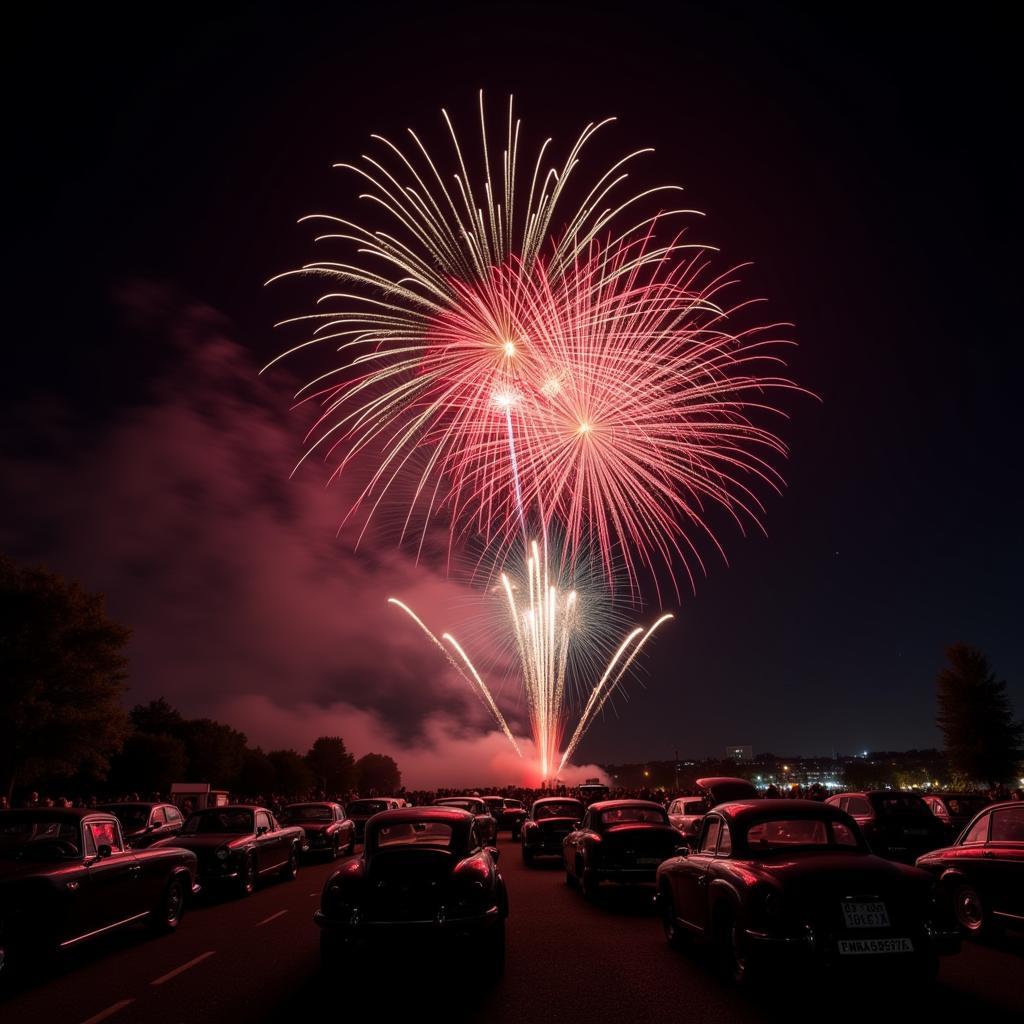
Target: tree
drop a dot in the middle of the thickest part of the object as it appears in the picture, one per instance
(293, 774)
(333, 766)
(216, 752)
(149, 763)
(258, 774)
(157, 717)
(62, 674)
(377, 773)
(976, 718)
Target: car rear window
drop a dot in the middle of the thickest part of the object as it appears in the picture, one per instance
(631, 815)
(901, 807)
(414, 833)
(782, 833)
(1008, 825)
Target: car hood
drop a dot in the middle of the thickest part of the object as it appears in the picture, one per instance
(313, 826)
(206, 841)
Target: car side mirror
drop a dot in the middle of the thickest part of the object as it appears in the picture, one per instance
(494, 852)
(262, 830)
(103, 850)
(682, 851)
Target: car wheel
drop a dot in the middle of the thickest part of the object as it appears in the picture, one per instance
(971, 913)
(291, 868)
(247, 876)
(590, 885)
(570, 879)
(167, 916)
(675, 936)
(733, 954)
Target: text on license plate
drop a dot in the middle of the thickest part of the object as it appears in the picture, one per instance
(865, 915)
(849, 947)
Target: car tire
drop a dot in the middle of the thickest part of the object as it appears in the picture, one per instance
(734, 957)
(167, 914)
(589, 885)
(675, 935)
(247, 876)
(972, 915)
(570, 879)
(291, 869)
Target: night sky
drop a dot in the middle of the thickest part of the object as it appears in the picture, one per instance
(862, 161)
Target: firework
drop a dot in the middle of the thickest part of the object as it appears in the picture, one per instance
(546, 621)
(514, 378)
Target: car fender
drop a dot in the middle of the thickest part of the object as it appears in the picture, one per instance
(722, 894)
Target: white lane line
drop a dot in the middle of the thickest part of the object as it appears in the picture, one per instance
(108, 1012)
(184, 967)
(273, 917)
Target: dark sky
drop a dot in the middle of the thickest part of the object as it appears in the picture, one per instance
(862, 160)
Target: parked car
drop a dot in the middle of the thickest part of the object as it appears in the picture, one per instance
(686, 813)
(239, 844)
(784, 881)
(717, 789)
(955, 810)
(618, 841)
(551, 820)
(896, 825)
(67, 876)
(425, 875)
(328, 831)
(982, 874)
(360, 811)
(591, 792)
(142, 824)
(485, 821)
(508, 813)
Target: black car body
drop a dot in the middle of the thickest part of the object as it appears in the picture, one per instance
(551, 820)
(238, 844)
(896, 824)
(425, 875)
(982, 874)
(618, 841)
(361, 811)
(718, 789)
(67, 875)
(508, 813)
(328, 831)
(955, 810)
(143, 824)
(477, 806)
(781, 880)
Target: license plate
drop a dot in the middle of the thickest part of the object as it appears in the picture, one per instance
(856, 947)
(915, 831)
(647, 861)
(865, 915)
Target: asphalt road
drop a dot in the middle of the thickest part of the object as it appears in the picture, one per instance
(257, 959)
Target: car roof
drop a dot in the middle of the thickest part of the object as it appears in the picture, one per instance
(453, 816)
(750, 810)
(233, 807)
(313, 803)
(606, 805)
(560, 800)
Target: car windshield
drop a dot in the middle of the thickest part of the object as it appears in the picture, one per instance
(311, 812)
(785, 833)
(514, 805)
(219, 820)
(568, 809)
(131, 818)
(967, 806)
(364, 808)
(902, 806)
(414, 833)
(494, 803)
(633, 815)
(473, 806)
(38, 840)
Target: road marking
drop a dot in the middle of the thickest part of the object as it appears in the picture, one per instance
(108, 1012)
(184, 967)
(273, 917)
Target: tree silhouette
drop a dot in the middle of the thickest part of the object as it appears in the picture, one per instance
(976, 718)
(332, 764)
(63, 671)
(377, 774)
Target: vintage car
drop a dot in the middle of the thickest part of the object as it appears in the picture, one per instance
(686, 813)
(425, 875)
(551, 819)
(955, 810)
(237, 845)
(591, 792)
(982, 875)
(328, 830)
(896, 825)
(618, 841)
(360, 811)
(485, 821)
(780, 880)
(718, 789)
(508, 813)
(67, 875)
(143, 824)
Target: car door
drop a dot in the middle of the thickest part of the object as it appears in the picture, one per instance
(346, 829)
(174, 820)
(283, 840)
(114, 884)
(692, 878)
(266, 842)
(1002, 860)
